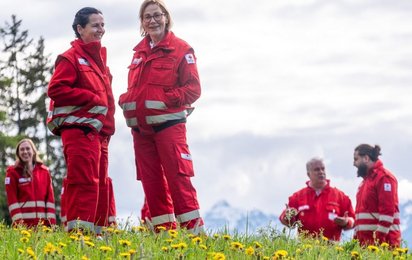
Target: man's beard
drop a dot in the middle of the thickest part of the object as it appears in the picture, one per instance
(362, 170)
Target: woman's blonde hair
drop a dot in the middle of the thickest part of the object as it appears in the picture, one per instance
(162, 6)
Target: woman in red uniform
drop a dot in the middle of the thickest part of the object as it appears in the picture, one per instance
(162, 84)
(82, 112)
(29, 188)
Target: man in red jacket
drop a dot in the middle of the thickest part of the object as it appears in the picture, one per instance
(377, 206)
(319, 209)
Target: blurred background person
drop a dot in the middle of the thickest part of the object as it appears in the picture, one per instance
(319, 208)
(377, 204)
(29, 188)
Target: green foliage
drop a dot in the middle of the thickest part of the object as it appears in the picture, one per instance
(138, 242)
(25, 73)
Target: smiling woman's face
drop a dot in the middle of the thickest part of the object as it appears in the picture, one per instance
(94, 29)
(26, 152)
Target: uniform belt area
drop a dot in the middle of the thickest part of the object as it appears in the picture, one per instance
(85, 129)
(158, 128)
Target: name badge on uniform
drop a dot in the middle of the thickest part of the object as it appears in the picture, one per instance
(186, 156)
(190, 59)
(387, 187)
(83, 61)
(136, 61)
(7, 180)
(24, 180)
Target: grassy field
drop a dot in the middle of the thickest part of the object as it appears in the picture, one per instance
(140, 243)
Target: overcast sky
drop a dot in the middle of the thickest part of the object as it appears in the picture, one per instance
(282, 81)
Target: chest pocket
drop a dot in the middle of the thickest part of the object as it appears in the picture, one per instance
(163, 73)
(90, 80)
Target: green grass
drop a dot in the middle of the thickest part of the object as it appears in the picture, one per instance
(140, 243)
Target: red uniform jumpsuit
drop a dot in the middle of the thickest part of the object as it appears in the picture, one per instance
(30, 199)
(317, 212)
(163, 81)
(377, 208)
(106, 197)
(79, 90)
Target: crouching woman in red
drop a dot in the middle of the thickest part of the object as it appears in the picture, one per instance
(29, 188)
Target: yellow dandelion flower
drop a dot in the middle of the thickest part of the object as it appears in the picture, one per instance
(373, 249)
(25, 233)
(355, 255)
(48, 248)
(132, 251)
(395, 253)
(257, 244)
(250, 251)
(125, 255)
(219, 256)
(339, 248)
(216, 236)
(165, 248)
(24, 239)
(21, 251)
(139, 229)
(169, 240)
(89, 243)
(30, 252)
(203, 247)
(325, 238)
(74, 238)
(117, 231)
(110, 230)
(298, 251)
(62, 244)
(402, 250)
(280, 254)
(236, 245)
(385, 245)
(124, 242)
(307, 246)
(172, 233)
(160, 228)
(182, 245)
(85, 258)
(105, 249)
(46, 229)
(191, 236)
(174, 246)
(196, 240)
(227, 237)
(266, 258)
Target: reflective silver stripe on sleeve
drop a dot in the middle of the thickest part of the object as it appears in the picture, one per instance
(131, 122)
(98, 110)
(97, 124)
(154, 104)
(395, 228)
(112, 218)
(188, 216)
(63, 218)
(163, 219)
(65, 110)
(128, 106)
(166, 117)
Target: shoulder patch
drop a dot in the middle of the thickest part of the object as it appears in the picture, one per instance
(7, 180)
(190, 59)
(387, 187)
